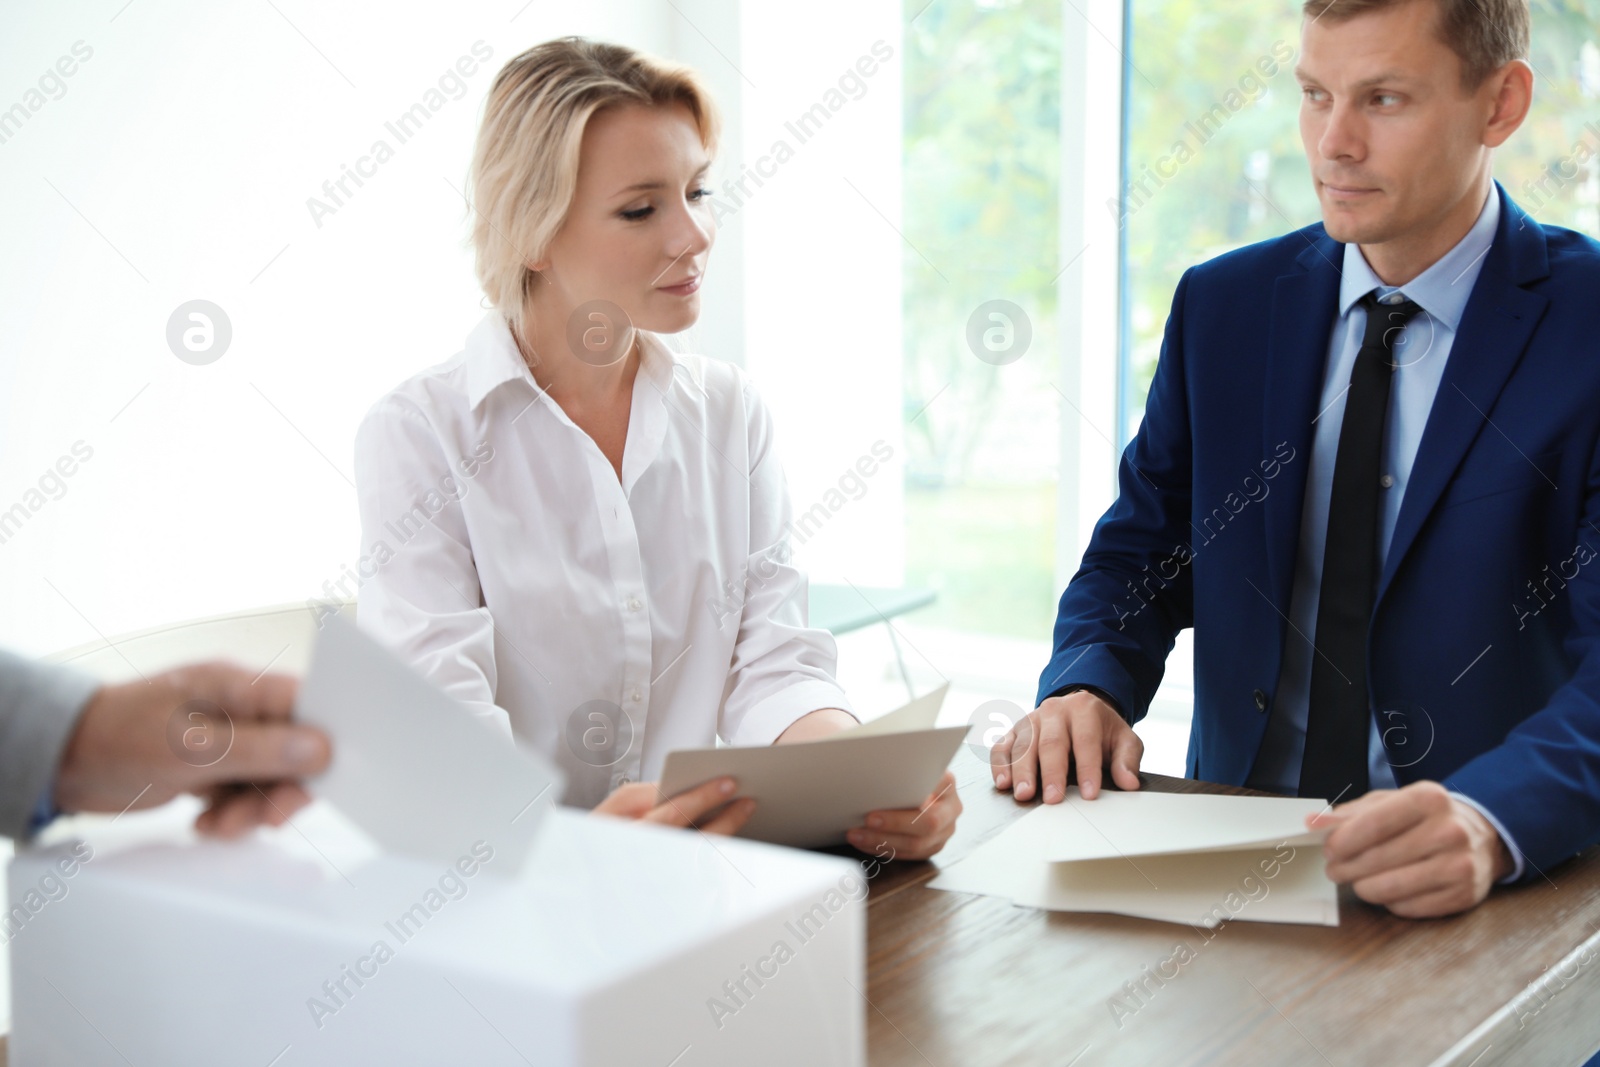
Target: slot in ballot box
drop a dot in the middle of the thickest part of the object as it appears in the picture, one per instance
(617, 943)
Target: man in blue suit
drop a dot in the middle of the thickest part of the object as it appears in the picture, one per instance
(1367, 476)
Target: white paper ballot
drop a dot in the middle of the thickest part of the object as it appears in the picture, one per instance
(808, 794)
(1179, 857)
(413, 768)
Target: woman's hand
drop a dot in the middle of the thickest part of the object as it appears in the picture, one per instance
(912, 833)
(709, 806)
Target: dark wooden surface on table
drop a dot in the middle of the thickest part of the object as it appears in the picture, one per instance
(955, 979)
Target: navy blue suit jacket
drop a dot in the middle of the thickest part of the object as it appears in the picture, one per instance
(1493, 563)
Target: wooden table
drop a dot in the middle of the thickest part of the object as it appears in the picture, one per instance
(955, 980)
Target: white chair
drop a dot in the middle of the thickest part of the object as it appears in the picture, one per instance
(278, 637)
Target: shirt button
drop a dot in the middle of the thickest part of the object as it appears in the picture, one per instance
(1387, 481)
(1394, 297)
(634, 604)
(636, 696)
(1261, 700)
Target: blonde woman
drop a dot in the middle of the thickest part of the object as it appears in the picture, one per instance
(584, 535)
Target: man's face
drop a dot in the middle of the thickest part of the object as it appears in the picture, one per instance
(1394, 141)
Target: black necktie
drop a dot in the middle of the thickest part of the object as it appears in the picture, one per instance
(1339, 721)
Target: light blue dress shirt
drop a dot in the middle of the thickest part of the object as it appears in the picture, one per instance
(1420, 353)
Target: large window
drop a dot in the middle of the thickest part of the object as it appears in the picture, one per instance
(982, 118)
(1214, 161)
(994, 108)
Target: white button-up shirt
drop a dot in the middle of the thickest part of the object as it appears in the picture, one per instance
(606, 622)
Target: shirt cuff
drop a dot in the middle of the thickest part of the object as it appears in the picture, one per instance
(45, 811)
(1518, 864)
(761, 724)
(1093, 689)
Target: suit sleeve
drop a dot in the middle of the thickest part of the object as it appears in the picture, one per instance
(1542, 783)
(1107, 636)
(39, 709)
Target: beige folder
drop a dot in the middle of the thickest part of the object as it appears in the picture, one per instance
(1179, 857)
(808, 794)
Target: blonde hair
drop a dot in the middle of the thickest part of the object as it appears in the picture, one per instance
(525, 163)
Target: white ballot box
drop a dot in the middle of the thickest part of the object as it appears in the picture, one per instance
(616, 943)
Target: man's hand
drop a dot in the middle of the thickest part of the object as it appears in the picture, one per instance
(1040, 749)
(709, 806)
(912, 833)
(1418, 851)
(212, 729)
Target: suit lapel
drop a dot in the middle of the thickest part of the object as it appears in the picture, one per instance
(1304, 304)
(1499, 319)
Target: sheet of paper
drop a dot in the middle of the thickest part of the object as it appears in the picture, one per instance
(412, 767)
(1143, 823)
(1253, 860)
(919, 714)
(808, 794)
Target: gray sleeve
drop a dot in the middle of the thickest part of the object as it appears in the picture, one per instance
(39, 707)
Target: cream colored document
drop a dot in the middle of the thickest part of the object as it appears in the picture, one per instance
(1179, 857)
(919, 714)
(809, 793)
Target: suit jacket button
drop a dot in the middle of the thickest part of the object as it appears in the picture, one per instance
(1261, 700)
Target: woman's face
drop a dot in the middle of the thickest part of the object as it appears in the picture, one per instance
(640, 228)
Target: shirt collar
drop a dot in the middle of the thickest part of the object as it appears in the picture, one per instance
(492, 359)
(1443, 288)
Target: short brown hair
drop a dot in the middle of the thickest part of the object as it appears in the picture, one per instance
(1485, 34)
(525, 164)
